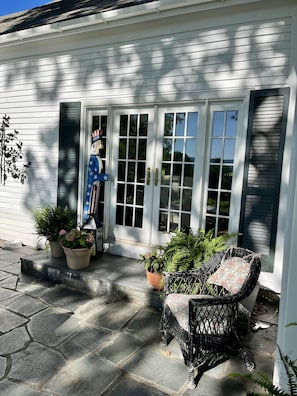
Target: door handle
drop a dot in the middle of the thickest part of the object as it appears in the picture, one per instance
(148, 176)
(156, 176)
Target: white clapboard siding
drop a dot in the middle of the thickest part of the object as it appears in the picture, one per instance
(180, 62)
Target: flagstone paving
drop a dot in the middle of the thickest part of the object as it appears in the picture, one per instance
(58, 341)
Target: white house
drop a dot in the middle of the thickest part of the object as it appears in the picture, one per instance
(197, 103)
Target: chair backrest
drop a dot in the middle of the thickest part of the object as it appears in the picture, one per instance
(238, 272)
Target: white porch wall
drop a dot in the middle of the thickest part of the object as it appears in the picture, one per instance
(197, 56)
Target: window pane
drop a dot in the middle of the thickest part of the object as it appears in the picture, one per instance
(143, 125)
(218, 123)
(229, 150)
(185, 220)
(163, 218)
(224, 203)
(130, 194)
(231, 123)
(121, 193)
(122, 148)
(140, 172)
(164, 197)
(180, 124)
(175, 198)
(178, 149)
(139, 195)
(192, 124)
(187, 200)
(131, 172)
(227, 175)
(214, 175)
(223, 225)
(132, 149)
(210, 223)
(142, 149)
(133, 125)
(176, 178)
(123, 125)
(212, 201)
(190, 150)
(121, 170)
(167, 149)
(188, 175)
(138, 217)
(216, 150)
(166, 169)
(119, 215)
(168, 124)
(129, 216)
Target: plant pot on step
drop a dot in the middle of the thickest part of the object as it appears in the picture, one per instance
(77, 258)
(56, 249)
(155, 280)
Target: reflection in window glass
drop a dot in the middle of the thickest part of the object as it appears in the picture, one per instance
(188, 175)
(133, 125)
(214, 175)
(223, 139)
(216, 150)
(180, 124)
(192, 124)
(131, 169)
(218, 123)
(229, 150)
(179, 148)
(231, 123)
(168, 124)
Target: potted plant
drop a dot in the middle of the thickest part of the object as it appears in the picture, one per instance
(154, 265)
(187, 250)
(49, 220)
(77, 246)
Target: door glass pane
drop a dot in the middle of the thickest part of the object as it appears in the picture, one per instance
(180, 133)
(131, 170)
(222, 152)
(180, 124)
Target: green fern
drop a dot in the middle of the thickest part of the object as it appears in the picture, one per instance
(187, 250)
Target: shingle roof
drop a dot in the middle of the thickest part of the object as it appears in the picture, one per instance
(61, 10)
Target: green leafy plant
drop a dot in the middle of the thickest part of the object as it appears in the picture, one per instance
(11, 153)
(76, 239)
(51, 219)
(153, 261)
(187, 250)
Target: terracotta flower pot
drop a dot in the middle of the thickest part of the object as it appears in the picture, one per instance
(56, 249)
(155, 280)
(77, 258)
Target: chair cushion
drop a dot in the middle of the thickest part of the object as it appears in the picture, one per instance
(231, 274)
(215, 320)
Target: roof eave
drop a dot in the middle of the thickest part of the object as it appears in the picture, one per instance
(118, 17)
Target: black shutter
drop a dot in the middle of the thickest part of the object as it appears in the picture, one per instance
(262, 173)
(69, 136)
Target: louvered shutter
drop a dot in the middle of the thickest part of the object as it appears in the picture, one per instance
(262, 175)
(69, 136)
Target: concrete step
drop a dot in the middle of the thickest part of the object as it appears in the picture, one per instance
(108, 275)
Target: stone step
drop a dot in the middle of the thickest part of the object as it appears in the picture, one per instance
(108, 275)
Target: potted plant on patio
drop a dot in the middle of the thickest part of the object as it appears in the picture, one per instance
(187, 250)
(49, 220)
(154, 265)
(77, 244)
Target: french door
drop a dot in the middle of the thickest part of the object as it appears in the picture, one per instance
(153, 160)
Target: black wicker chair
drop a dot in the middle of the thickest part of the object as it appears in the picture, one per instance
(201, 308)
